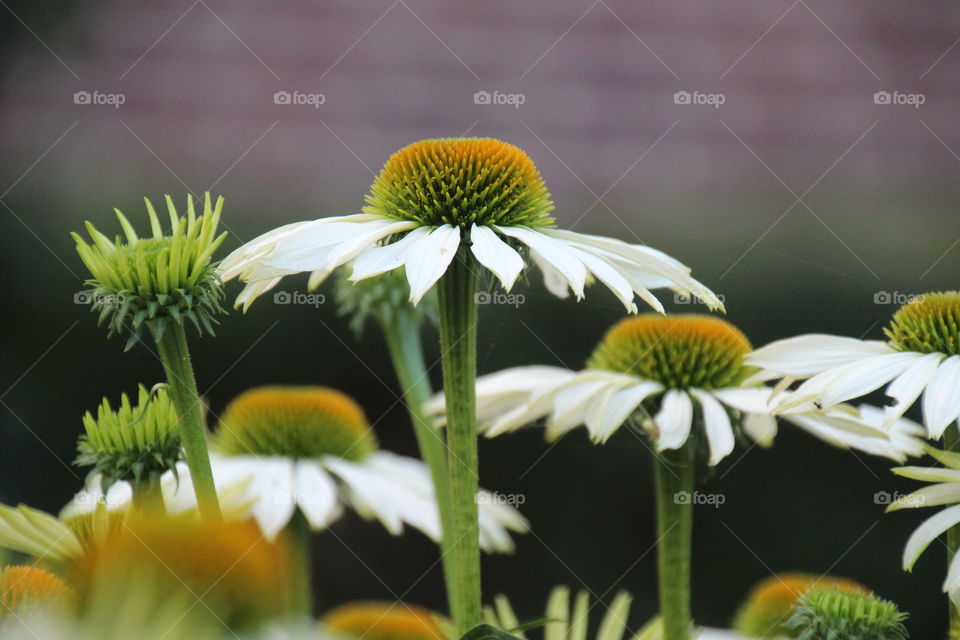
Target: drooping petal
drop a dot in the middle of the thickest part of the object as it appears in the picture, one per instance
(933, 496)
(496, 255)
(941, 400)
(674, 419)
(860, 378)
(927, 533)
(716, 423)
(761, 427)
(610, 276)
(379, 260)
(620, 406)
(429, 258)
(316, 494)
(553, 252)
(807, 355)
(909, 385)
(269, 487)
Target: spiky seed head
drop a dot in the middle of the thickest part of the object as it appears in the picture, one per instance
(241, 578)
(768, 606)
(384, 621)
(29, 590)
(833, 613)
(153, 281)
(296, 422)
(461, 181)
(929, 323)
(131, 442)
(679, 351)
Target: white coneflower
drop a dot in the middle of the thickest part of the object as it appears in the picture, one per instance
(434, 196)
(311, 449)
(921, 356)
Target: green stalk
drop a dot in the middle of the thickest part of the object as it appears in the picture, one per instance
(301, 594)
(951, 442)
(175, 355)
(675, 475)
(148, 494)
(458, 347)
(402, 334)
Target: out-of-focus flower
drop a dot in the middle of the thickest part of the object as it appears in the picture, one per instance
(383, 621)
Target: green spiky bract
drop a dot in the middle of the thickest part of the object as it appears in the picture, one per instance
(930, 323)
(132, 442)
(831, 614)
(160, 279)
(461, 181)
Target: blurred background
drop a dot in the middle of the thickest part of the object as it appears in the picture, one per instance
(801, 156)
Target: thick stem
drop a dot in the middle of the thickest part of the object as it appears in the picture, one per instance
(148, 494)
(402, 333)
(301, 582)
(183, 392)
(951, 442)
(458, 346)
(675, 485)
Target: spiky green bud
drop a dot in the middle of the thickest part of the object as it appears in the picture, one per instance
(831, 614)
(153, 281)
(133, 442)
(384, 298)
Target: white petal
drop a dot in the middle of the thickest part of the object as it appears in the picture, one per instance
(674, 419)
(370, 494)
(429, 258)
(324, 248)
(941, 400)
(316, 493)
(716, 423)
(807, 355)
(862, 377)
(619, 407)
(241, 259)
(747, 400)
(553, 252)
(761, 427)
(610, 276)
(927, 533)
(571, 404)
(553, 280)
(270, 487)
(936, 495)
(909, 384)
(496, 255)
(929, 474)
(386, 258)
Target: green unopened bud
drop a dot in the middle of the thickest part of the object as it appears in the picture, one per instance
(160, 279)
(133, 442)
(384, 298)
(843, 615)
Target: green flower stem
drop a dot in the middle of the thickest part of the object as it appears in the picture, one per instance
(675, 475)
(951, 442)
(148, 494)
(458, 346)
(175, 355)
(301, 594)
(402, 334)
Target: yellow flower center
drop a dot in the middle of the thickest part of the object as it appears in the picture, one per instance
(768, 606)
(930, 323)
(26, 589)
(461, 181)
(296, 422)
(680, 351)
(384, 621)
(241, 578)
